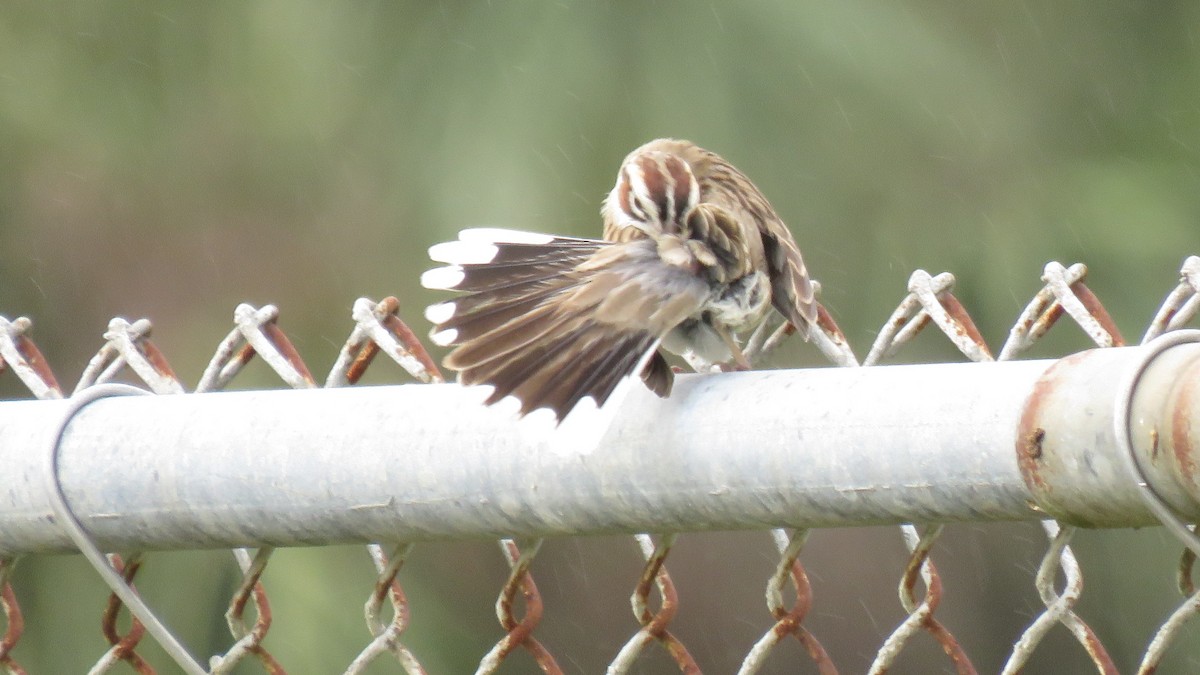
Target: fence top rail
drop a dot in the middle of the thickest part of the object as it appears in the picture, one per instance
(820, 447)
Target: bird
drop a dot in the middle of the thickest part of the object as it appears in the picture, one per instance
(692, 255)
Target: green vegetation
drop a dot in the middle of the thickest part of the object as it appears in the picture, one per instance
(172, 159)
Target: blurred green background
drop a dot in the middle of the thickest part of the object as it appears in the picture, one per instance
(172, 159)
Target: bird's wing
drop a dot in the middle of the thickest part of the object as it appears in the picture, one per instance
(553, 320)
(792, 291)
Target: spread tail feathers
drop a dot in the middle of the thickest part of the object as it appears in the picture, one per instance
(522, 328)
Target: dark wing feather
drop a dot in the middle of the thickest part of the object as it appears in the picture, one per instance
(594, 365)
(791, 289)
(476, 315)
(658, 375)
(540, 263)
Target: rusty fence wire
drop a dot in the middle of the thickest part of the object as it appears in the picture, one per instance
(129, 353)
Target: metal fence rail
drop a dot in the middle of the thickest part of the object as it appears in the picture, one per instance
(421, 462)
(1104, 438)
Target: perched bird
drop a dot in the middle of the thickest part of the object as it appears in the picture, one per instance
(692, 255)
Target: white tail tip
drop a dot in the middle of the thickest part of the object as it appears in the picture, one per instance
(439, 313)
(444, 338)
(443, 278)
(463, 252)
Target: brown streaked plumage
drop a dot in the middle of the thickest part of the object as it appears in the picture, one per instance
(692, 255)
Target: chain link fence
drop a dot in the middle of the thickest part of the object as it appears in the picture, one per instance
(129, 352)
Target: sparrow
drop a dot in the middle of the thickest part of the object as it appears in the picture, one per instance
(693, 255)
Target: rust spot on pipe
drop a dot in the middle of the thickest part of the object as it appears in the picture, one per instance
(1030, 435)
(1035, 443)
(1032, 431)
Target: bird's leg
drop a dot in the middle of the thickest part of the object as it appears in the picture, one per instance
(739, 359)
(757, 346)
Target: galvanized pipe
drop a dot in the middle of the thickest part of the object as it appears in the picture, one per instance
(1069, 447)
(811, 448)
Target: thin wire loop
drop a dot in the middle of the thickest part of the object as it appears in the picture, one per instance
(87, 546)
(1123, 434)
